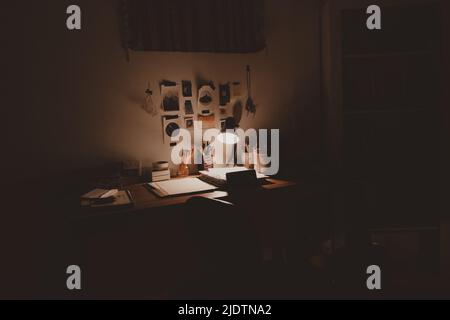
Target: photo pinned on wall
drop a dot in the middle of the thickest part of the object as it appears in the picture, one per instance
(187, 89)
(171, 124)
(223, 125)
(188, 108)
(170, 92)
(224, 94)
(206, 100)
(189, 123)
(208, 121)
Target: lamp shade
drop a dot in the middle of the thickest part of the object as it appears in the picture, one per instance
(228, 138)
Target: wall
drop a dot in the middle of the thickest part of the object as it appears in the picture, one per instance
(445, 189)
(70, 100)
(75, 100)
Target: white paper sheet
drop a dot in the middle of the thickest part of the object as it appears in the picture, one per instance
(181, 186)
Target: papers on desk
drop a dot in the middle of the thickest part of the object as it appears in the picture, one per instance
(105, 199)
(180, 186)
(98, 194)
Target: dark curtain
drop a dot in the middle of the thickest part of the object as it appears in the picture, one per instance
(231, 26)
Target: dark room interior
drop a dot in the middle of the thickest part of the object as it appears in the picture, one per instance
(357, 120)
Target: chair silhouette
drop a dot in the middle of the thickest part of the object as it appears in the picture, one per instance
(225, 247)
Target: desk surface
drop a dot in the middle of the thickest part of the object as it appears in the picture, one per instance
(145, 199)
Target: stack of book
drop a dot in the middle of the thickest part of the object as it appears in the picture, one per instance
(161, 171)
(162, 175)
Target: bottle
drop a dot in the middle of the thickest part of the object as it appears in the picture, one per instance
(183, 169)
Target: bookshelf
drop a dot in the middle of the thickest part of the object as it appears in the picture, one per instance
(381, 97)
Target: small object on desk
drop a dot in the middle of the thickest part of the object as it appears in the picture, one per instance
(219, 176)
(208, 157)
(98, 194)
(110, 194)
(119, 200)
(162, 175)
(180, 187)
(161, 171)
(242, 179)
(183, 168)
(160, 165)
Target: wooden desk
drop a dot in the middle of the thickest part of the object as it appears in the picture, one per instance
(145, 199)
(146, 244)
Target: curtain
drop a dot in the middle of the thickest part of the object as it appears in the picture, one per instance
(230, 26)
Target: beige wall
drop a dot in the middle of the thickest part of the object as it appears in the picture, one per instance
(82, 98)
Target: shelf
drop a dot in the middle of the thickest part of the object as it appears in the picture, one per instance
(385, 111)
(387, 54)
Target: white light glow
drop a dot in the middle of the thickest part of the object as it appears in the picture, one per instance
(228, 138)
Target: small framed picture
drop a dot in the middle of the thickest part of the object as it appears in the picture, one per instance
(187, 89)
(208, 121)
(223, 125)
(171, 98)
(225, 94)
(188, 107)
(189, 123)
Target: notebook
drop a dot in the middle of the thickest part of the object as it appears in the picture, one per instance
(180, 186)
